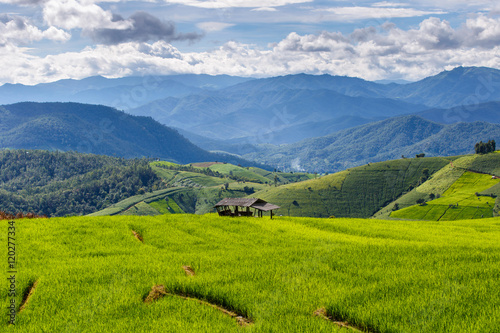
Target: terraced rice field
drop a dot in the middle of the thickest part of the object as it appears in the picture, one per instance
(190, 273)
(458, 202)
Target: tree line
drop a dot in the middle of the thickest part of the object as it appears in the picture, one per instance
(60, 184)
(485, 147)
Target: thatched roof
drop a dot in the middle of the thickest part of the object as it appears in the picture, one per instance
(240, 202)
(265, 206)
(247, 202)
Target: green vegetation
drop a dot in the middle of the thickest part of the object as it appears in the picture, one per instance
(199, 200)
(97, 129)
(377, 141)
(457, 203)
(92, 275)
(240, 173)
(485, 147)
(166, 206)
(197, 188)
(58, 184)
(140, 209)
(444, 183)
(489, 163)
(357, 192)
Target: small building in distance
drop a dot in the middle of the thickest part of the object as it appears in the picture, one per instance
(242, 206)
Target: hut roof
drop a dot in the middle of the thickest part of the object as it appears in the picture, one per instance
(265, 206)
(247, 202)
(240, 202)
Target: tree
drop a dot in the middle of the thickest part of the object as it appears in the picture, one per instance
(485, 147)
(425, 172)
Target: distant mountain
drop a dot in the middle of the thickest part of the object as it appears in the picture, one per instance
(271, 116)
(344, 85)
(460, 86)
(122, 93)
(96, 129)
(488, 112)
(277, 110)
(379, 141)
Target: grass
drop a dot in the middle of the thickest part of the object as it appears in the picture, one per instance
(180, 200)
(356, 192)
(459, 201)
(132, 201)
(383, 276)
(283, 177)
(166, 206)
(243, 173)
(489, 163)
(140, 208)
(439, 182)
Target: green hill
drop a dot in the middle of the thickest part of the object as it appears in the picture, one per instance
(356, 192)
(58, 184)
(463, 189)
(196, 188)
(188, 273)
(459, 202)
(97, 129)
(378, 141)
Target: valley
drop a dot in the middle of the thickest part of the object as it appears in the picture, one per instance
(388, 221)
(248, 166)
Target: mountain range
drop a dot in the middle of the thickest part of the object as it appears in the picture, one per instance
(318, 122)
(379, 141)
(122, 93)
(96, 129)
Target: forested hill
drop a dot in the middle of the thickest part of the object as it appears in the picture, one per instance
(58, 184)
(96, 129)
(380, 141)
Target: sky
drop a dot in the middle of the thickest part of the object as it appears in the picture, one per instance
(48, 40)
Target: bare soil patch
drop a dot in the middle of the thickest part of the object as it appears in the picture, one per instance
(189, 270)
(158, 291)
(205, 164)
(138, 236)
(322, 313)
(27, 295)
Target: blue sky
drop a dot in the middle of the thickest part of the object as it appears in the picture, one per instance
(48, 40)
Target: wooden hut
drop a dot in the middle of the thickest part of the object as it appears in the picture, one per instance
(244, 207)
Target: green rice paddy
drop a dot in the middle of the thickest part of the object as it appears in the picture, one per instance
(458, 202)
(380, 276)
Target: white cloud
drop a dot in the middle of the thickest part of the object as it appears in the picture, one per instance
(360, 13)
(455, 4)
(236, 3)
(389, 4)
(18, 30)
(70, 14)
(483, 30)
(264, 9)
(56, 34)
(213, 26)
(371, 53)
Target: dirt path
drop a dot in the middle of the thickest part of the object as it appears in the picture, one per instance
(189, 270)
(27, 296)
(321, 312)
(158, 291)
(138, 236)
